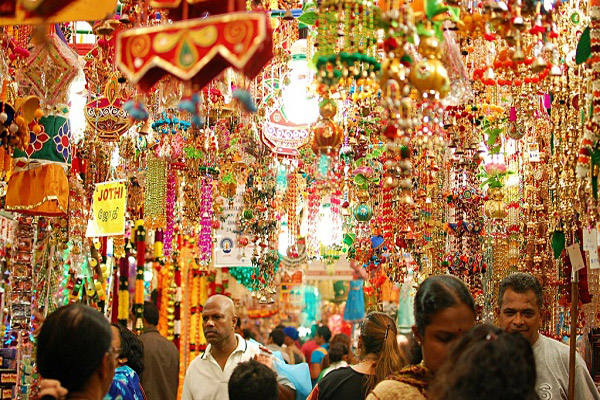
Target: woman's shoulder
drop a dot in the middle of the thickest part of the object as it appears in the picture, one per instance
(391, 389)
(346, 370)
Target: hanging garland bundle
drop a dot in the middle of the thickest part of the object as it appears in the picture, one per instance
(140, 240)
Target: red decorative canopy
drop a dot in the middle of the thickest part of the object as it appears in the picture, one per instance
(196, 50)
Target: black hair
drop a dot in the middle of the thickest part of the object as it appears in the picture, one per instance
(337, 352)
(487, 363)
(248, 333)
(438, 293)
(252, 380)
(278, 336)
(520, 282)
(72, 344)
(238, 323)
(150, 313)
(132, 348)
(324, 332)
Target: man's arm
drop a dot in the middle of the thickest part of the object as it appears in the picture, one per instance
(285, 392)
(315, 370)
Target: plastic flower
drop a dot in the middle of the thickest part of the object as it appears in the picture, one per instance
(493, 175)
(495, 169)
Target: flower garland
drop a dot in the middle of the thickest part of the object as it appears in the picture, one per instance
(138, 308)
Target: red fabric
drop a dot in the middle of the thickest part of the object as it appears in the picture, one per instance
(308, 348)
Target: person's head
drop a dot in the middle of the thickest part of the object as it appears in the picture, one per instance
(338, 352)
(338, 338)
(74, 347)
(277, 336)
(219, 319)
(487, 363)
(291, 335)
(520, 304)
(444, 310)
(150, 314)
(252, 380)
(132, 348)
(323, 335)
(377, 341)
(248, 333)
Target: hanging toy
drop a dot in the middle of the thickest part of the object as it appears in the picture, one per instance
(136, 110)
(246, 99)
(192, 106)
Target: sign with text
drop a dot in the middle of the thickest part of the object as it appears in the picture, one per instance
(108, 209)
(228, 250)
(340, 270)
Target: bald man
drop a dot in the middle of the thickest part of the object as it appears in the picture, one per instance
(208, 375)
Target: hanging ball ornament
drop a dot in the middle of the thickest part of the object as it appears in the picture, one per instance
(328, 109)
(327, 136)
(429, 74)
(363, 213)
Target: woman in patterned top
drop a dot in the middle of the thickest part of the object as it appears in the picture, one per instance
(444, 311)
(126, 383)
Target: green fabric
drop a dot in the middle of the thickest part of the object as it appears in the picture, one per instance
(55, 143)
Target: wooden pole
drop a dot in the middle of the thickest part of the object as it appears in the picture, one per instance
(573, 337)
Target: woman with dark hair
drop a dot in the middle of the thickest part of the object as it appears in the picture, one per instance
(74, 348)
(337, 357)
(487, 363)
(379, 357)
(126, 383)
(444, 310)
(338, 338)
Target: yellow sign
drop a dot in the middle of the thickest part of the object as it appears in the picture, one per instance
(16, 12)
(108, 208)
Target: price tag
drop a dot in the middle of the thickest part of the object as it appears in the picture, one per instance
(594, 259)
(590, 239)
(533, 150)
(575, 257)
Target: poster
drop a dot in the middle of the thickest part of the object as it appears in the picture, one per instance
(340, 270)
(108, 209)
(228, 252)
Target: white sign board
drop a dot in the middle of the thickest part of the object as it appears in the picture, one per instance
(340, 270)
(228, 252)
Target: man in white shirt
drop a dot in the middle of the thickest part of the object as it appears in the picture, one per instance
(520, 302)
(207, 376)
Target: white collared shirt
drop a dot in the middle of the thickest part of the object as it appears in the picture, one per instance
(205, 380)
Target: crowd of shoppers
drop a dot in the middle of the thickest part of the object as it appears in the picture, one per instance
(81, 356)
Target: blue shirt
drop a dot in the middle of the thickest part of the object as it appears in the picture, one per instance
(125, 385)
(319, 353)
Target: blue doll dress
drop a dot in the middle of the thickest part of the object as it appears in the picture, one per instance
(355, 305)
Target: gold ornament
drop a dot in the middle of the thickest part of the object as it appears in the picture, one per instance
(495, 207)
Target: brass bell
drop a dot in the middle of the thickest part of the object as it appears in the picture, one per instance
(518, 54)
(518, 22)
(287, 16)
(104, 28)
(489, 74)
(124, 19)
(555, 70)
(539, 64)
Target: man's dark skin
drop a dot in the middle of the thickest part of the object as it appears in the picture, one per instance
(218, 322)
